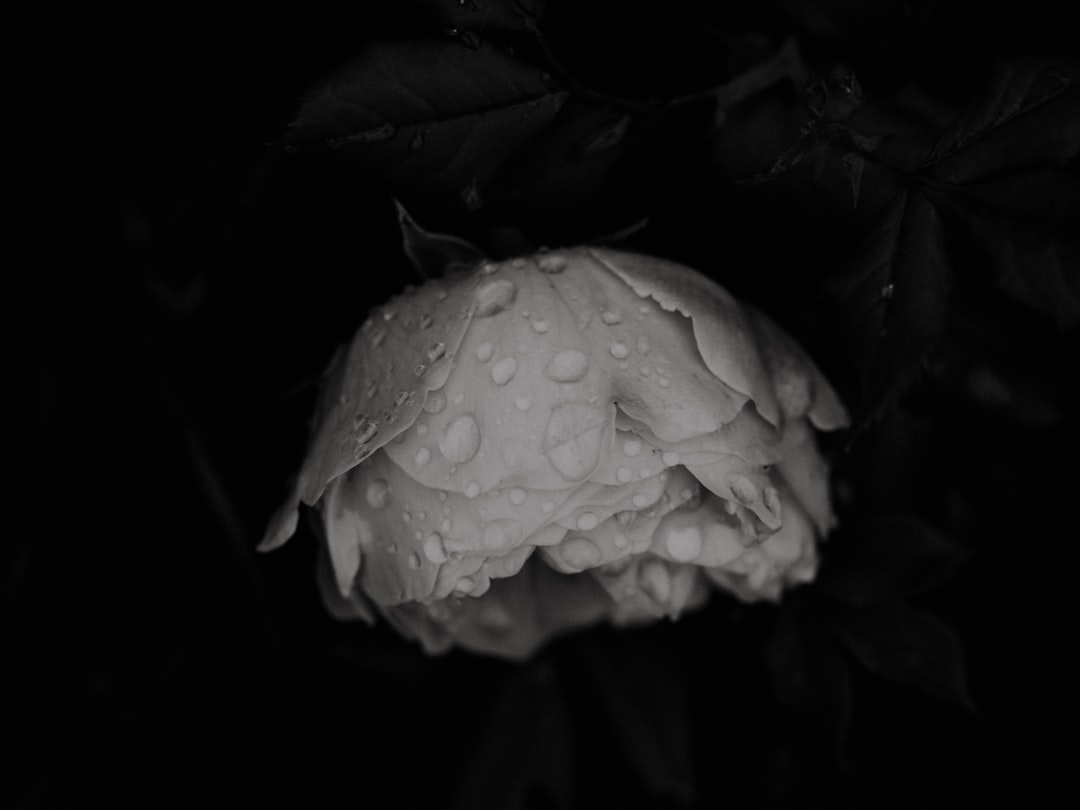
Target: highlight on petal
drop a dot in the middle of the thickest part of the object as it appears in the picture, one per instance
(548, 442)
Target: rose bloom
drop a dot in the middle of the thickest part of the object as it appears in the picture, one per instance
(535, 445)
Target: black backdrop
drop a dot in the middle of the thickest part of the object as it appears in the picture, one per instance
(180, 279)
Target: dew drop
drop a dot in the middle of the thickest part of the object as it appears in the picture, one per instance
(461, 439)
(502, 535)
(619, 350)
(446, 525)
(643, 346)
(421, 430)
(435, 351)
(371, 390)
(540, 326)
(663, 382)
(419, 369)
(580, 552)
(523, 403)
(378, 493)
(414, 560)
(365, 430)
(377, 337)
(645, 371)
(684, 544)
(670, 458)
(503, 370)
(567, 366)
(641, 500)
(435, 402)
(610, 318)
(631, 448)
(484, 352)
(464, 585)
(587, 521)
(399, 400)
(472, 489)
(626, 517)
(518, 496)
(494, 297)
(423, 456)
(426, 321)
(624, 475)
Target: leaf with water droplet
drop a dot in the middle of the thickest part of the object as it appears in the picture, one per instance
(890, 337)
(474, 108)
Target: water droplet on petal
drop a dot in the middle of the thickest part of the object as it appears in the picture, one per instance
(502, 535)
(580, 552)
(426, 321)
(631, 447)
(365, 430)
(641, 500)
(684, 544)
(461, 439)
(670, 458)
(619, 350)
(587, 521)
(399, 400)
(446, 525)
(435, 402)
(472, 489)
(664, 382)
(377, 337)
(419, 369)
(484, 352)
(626, 517)
(518, 496)
(523, 403)
(504, 370)
(414, 560)
(423, 456)
(624, 475)
(643, 346)
(435, 351)
(378, 493)
(540, 326)
(464, 585)
(421, 430)
(573, 439)
(494, 297)
(567, 366)
(610, 318)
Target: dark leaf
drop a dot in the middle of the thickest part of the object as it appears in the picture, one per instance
(643, 695)
(1026, 227)
(809, 674)
(431, 117)
(885, 560)
(525, 750)
(1028, 116)
(482, 15)
(908, 646)
(892, 296)
(853, 164)
(433, 254)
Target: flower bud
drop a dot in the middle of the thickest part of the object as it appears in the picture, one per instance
(577, 436)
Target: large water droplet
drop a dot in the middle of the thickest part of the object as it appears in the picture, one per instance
(502, 535)
(365, 430)
(494, 297)
(587, 521)
(378, 493)
(435, 351)
(573, 439)
(433, 548)
(569, 365)
(580, 552)
(461, 439)
(504, 370)
(684, 544)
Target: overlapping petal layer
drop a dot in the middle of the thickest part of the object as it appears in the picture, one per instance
(585, 435)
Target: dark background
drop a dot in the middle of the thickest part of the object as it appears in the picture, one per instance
(180, 278)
